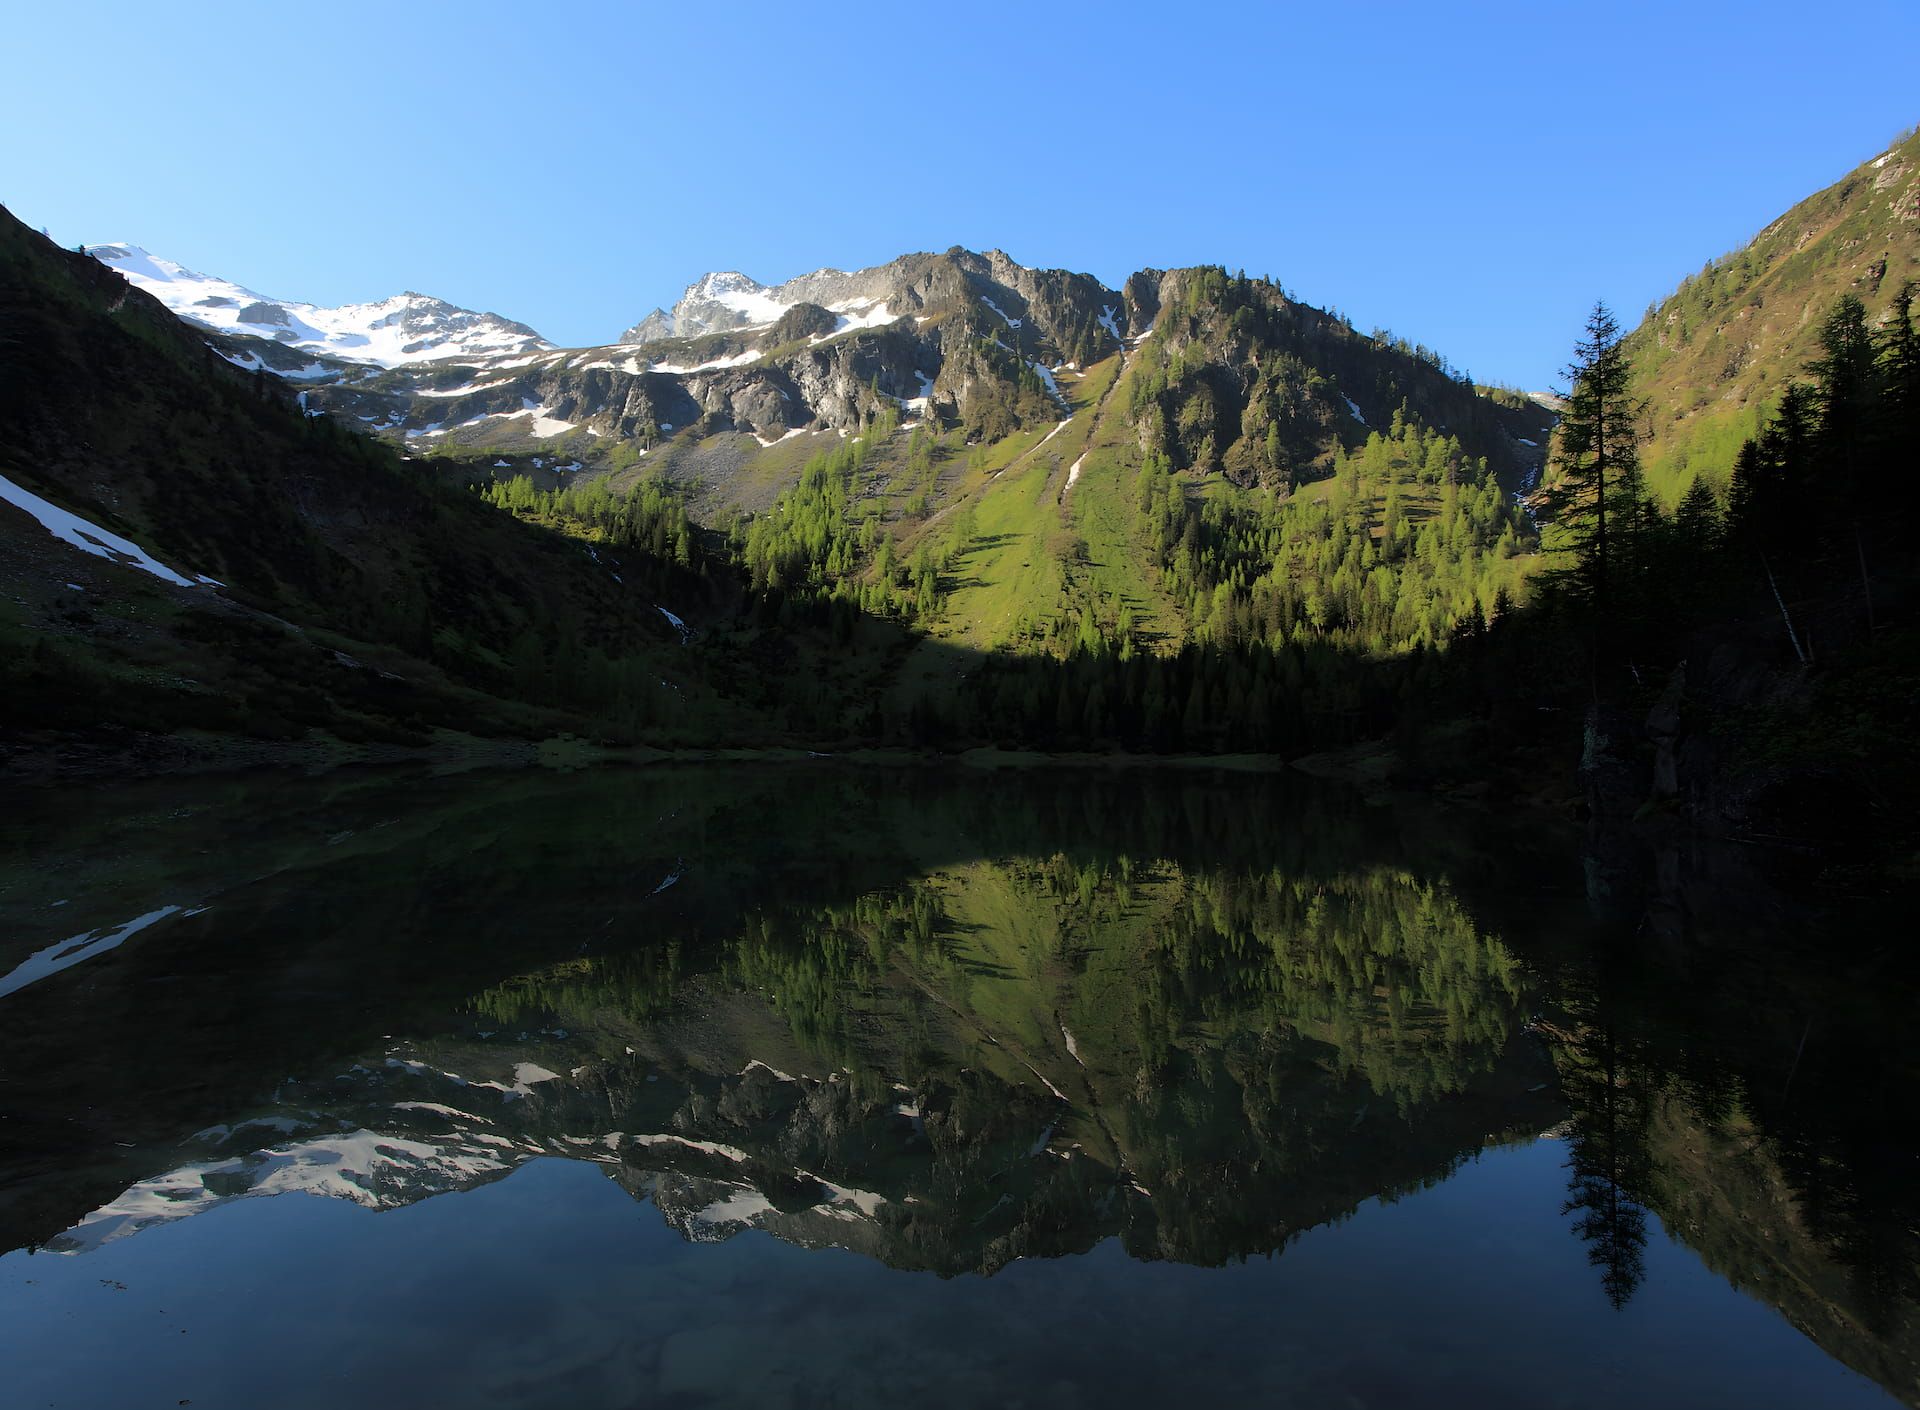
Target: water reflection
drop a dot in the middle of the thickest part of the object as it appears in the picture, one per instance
(945, 1023)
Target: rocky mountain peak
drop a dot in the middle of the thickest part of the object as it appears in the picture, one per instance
(656, 325)
(1074, 314)
(723, 282)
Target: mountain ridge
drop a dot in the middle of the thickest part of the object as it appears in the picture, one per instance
(967, 338)
(727, 300)
(401, 328)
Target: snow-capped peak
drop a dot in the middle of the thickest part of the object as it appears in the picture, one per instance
(729, 301)
(403, 328)
(749, 302)
(723, 282)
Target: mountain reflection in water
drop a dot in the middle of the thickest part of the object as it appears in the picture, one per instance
(947, 1023)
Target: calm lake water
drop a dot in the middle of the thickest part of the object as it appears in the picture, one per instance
(813, 1086)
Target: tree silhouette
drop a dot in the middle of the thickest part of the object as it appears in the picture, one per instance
(1607, 1155)
(1597, 498)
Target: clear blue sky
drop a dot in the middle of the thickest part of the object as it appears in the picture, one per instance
(1470, 176)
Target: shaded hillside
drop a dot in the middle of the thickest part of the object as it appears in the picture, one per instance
(323, 581)
(1713, 358)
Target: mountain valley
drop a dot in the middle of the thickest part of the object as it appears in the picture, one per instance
(945, 502)
(792, 709)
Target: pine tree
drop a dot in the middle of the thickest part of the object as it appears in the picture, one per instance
(1696, 524)
(1845, 390)
(1599, 492)
(1900, 365)
(1844, 379)
(1770, 485)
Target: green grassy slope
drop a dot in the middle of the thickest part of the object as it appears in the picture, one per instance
(1028, 553)
(1712, 358)
(1112, 571)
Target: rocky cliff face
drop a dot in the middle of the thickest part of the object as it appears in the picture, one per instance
(961, 336)
(656, 326)
(1060, 315)
(1243, 379)
(837, 383)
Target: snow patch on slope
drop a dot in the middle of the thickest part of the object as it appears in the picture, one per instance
(718, 364)
(88, 537)
(75, 948)
(1045, 374)
(866, 1201)
(686, 632)
(460, 391)
(733, 1153)
(875, 316)
(921, 401)
(733, 290)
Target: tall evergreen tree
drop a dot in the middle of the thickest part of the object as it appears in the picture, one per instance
(1771, 480)
(1900, 366)
(1599, 492)
(1845, 380)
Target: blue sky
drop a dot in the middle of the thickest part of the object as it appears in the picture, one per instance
(1470, 176)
